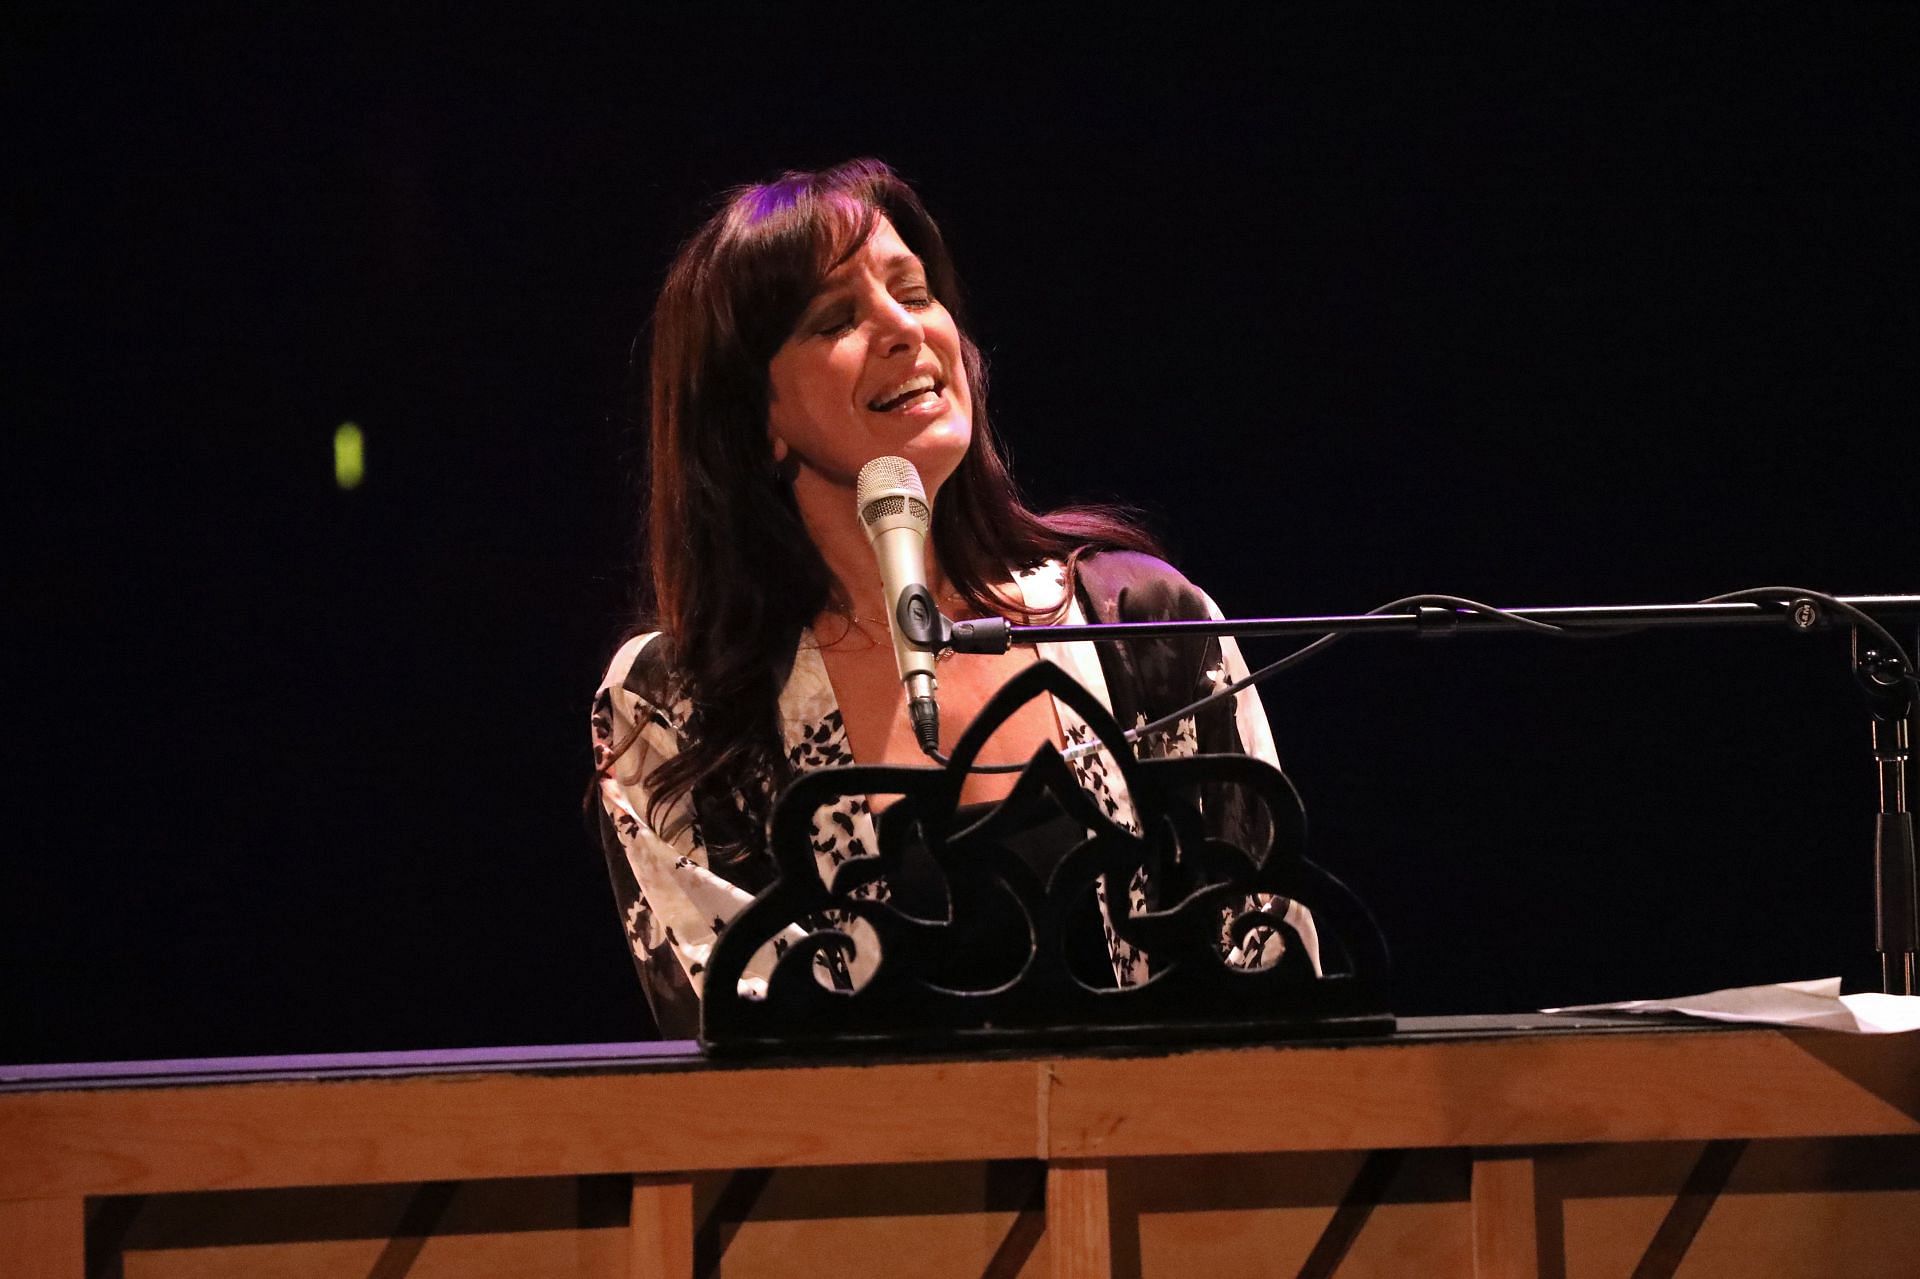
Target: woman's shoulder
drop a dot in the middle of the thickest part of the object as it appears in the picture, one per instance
(1136, 565)
(643, 667)
(1135, 586)
(1107, 572)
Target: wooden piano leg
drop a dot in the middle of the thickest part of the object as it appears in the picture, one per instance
(1079, 1220)
(1505, 1237)
(661, 1228)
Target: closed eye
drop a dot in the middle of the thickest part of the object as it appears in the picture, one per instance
(914, 296)
(913, 291)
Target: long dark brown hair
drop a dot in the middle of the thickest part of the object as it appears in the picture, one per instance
(734, 576)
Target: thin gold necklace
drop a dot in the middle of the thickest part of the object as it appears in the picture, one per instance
(854, 619)
(951, 597)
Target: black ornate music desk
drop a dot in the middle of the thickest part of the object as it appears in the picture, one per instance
(915, 1001)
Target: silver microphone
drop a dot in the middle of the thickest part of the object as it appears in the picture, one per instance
(892, 504)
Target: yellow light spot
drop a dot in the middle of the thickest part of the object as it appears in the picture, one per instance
(349, 456)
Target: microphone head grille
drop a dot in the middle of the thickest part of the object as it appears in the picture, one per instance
(890, 486)
(887, 473)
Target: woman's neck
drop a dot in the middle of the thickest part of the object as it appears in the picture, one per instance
(832, 521)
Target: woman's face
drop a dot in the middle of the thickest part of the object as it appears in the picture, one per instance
(873, 369)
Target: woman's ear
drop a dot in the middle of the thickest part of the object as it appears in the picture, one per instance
(784, 461)
(775, 440)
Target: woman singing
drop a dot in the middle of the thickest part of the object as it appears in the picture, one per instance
(810, 326)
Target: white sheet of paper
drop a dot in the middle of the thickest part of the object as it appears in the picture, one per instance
(1816, 1005)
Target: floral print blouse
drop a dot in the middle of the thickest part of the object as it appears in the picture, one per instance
(673, 905)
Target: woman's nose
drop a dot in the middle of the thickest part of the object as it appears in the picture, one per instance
(897, 329)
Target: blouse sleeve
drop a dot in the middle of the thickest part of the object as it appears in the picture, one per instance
(672, 907)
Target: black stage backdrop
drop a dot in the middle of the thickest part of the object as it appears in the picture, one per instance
(1559, 305)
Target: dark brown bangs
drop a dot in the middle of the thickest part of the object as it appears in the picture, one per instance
(788, 236)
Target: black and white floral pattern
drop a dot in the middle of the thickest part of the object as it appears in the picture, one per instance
(674, 905)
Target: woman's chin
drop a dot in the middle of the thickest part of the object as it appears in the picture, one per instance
(936, 450)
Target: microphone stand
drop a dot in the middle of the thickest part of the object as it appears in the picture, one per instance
(1883, 676)
(1895, 927)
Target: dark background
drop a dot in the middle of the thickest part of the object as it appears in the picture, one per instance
(1542, 306)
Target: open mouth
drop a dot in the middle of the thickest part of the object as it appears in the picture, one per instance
(908, 392)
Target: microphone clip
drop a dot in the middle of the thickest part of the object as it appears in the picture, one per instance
(920, 622)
